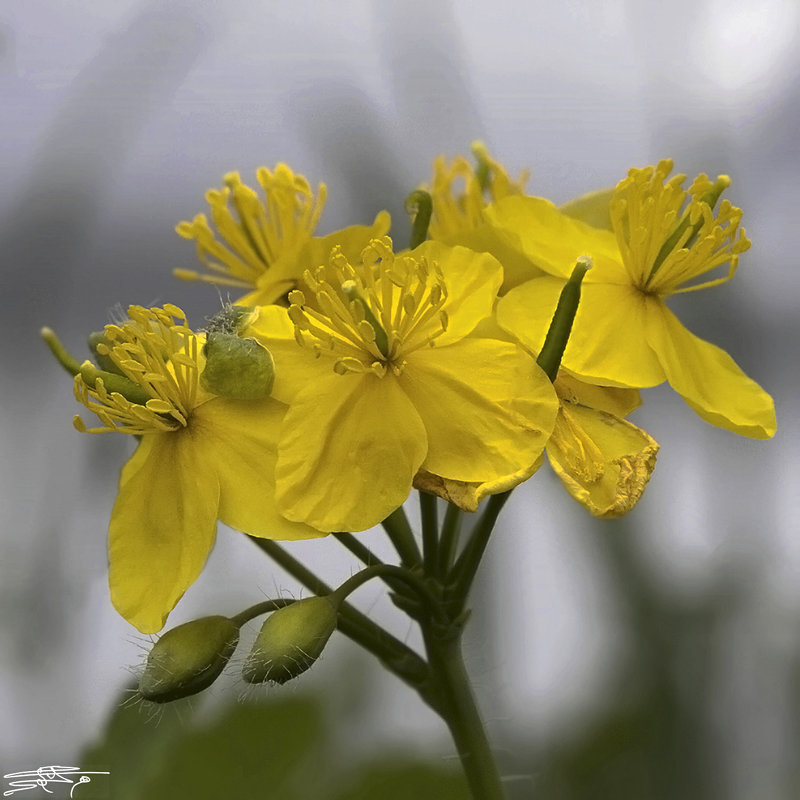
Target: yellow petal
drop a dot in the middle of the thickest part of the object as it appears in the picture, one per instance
(162, 528)
(553, 241)
(603, 461)
(240, 440)
(607, 344)
(468, 494)
(352, 240)
(615, 400)
(591, 208)
(707, 378)
(295, 367)
(505, 247)
(350, 447)
(472, 281)
(487, 408)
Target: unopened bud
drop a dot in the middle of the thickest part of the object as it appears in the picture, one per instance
(188, 659)
(241, 369)
(291, 640)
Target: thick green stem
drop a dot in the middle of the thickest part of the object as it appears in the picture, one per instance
(448, 546)
(402, 537)
(461, 714)
(430, 532)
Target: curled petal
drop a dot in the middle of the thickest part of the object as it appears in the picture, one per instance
(603, 461)
(468, 494)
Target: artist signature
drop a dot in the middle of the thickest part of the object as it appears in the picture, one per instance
(30, 779)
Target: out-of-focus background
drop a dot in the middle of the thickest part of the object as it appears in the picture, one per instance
(656, 657)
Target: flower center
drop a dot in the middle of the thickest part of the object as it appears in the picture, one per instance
(370, 317)
(157, 353)
(668, 236)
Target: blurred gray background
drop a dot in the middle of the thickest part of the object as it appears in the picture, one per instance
(119, 115)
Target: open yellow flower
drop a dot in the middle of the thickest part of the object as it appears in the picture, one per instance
(200, 458)
(264, 245)
(382, 380)
(624, 334)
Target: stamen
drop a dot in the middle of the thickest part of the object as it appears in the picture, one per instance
(459, 191)
(370, 316)
(157, 357)
(668, 235)
(254, 233)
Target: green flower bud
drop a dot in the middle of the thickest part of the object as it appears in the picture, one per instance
(291, 640)
(188, 659)
(240, 369)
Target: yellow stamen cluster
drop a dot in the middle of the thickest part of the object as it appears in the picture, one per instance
(668, 235)
(259, 232)
(156, 350)
(457, 210)
(369, 317)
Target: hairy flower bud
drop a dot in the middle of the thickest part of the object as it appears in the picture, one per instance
(291, 640)
(240, 369)
(188, 659)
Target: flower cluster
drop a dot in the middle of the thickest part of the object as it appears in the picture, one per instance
(350, 371)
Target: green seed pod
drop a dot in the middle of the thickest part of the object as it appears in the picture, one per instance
(240, 369)
(101, 357)
(291, 640)
(188, 659)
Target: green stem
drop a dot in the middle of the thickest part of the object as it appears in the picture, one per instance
(463, 718)
(429, 514)
(467, 565)
(561, 325)
(63, 356)
(402, 537)
(451, 530)
(397, 657)
(260, 608)
(369, 559)
(359, 550)
(420, 204)
(415, 584)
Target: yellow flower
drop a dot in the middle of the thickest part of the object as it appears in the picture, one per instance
(382, 381)
(624, 334)
(266, 244)
(460, 193)
(200, 458)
